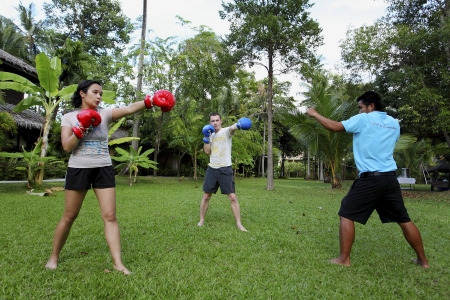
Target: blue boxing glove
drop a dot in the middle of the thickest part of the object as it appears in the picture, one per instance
(207, 131)
(244, 123)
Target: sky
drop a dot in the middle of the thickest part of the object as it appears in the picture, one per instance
(335, 17)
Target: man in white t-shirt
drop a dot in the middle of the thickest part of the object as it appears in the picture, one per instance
(217, 144)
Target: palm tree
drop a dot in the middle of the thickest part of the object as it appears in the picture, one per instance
(413, 155)
(11, 40)
(332, 147)
(187, 137)
(30, 28)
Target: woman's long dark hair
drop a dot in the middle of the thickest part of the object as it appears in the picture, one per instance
(82, 86)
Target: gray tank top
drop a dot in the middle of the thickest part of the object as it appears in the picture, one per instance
(92, 150)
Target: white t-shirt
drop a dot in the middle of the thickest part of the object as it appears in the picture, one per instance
(220, 148)
(92, 150)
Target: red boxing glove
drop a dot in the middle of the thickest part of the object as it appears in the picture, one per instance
(86, 118)
(148, 101)
(79, 131)
(167, 100)
(161, 98)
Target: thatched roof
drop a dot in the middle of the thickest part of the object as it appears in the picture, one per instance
(17, 63)
(25, 119)
(442, 167)
(119, 133)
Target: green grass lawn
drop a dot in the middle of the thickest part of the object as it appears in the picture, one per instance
(292, 233)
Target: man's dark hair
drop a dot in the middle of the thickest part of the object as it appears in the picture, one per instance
(371, 97)
(82, 86)
(214, 114)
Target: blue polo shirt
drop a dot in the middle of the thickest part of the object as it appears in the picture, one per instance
(374, 138)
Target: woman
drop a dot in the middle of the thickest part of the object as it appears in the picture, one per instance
(84, 132)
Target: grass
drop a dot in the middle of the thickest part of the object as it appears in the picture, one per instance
(293, 232)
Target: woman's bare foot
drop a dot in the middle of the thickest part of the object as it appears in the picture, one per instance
(339, 261)
(122, 269)
(51, 264)
(241, 227)
(200, 223)
(420, 263)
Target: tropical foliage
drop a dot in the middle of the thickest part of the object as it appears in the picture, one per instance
(7, 126)
(46, 95)
(263, 33)
(404, 56)
(132, 160)
(34, 162)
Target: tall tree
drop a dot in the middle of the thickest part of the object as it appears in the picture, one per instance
(30, 28)
(135, 143)
(99, 24)
(202, 69)
(158, 74)
(272, 33)
(409, 52)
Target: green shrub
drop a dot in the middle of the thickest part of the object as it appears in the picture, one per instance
(9, 172)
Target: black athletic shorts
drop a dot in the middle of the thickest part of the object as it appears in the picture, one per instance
(222, 177)
(380, 193)
(85, 178)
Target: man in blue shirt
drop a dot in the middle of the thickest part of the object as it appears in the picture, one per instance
(377, 188)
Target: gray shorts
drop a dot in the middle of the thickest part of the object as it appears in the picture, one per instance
(221, 177)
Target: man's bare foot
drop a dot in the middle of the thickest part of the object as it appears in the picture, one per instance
(420, 263)
(241, 228)
(200, 223)
(338, 261)
(123, 270)
(51, 264)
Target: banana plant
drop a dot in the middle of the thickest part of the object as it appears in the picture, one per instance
(34, 163)
(133, 160)
(45, 94)
(119, 140)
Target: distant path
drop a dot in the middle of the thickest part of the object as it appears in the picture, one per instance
(24, 181)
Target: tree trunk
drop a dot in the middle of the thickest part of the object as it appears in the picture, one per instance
(335, 182)
(195, 165)
(321, 170)
(308, 171)
(447, 138)
(136, 125)
(269, 125)
(444, 18)
(264, 150)
(157, 142)
(39, 177)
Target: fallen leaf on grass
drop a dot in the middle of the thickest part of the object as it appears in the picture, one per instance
(57, 189)
(107, 271)
(44, 194)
